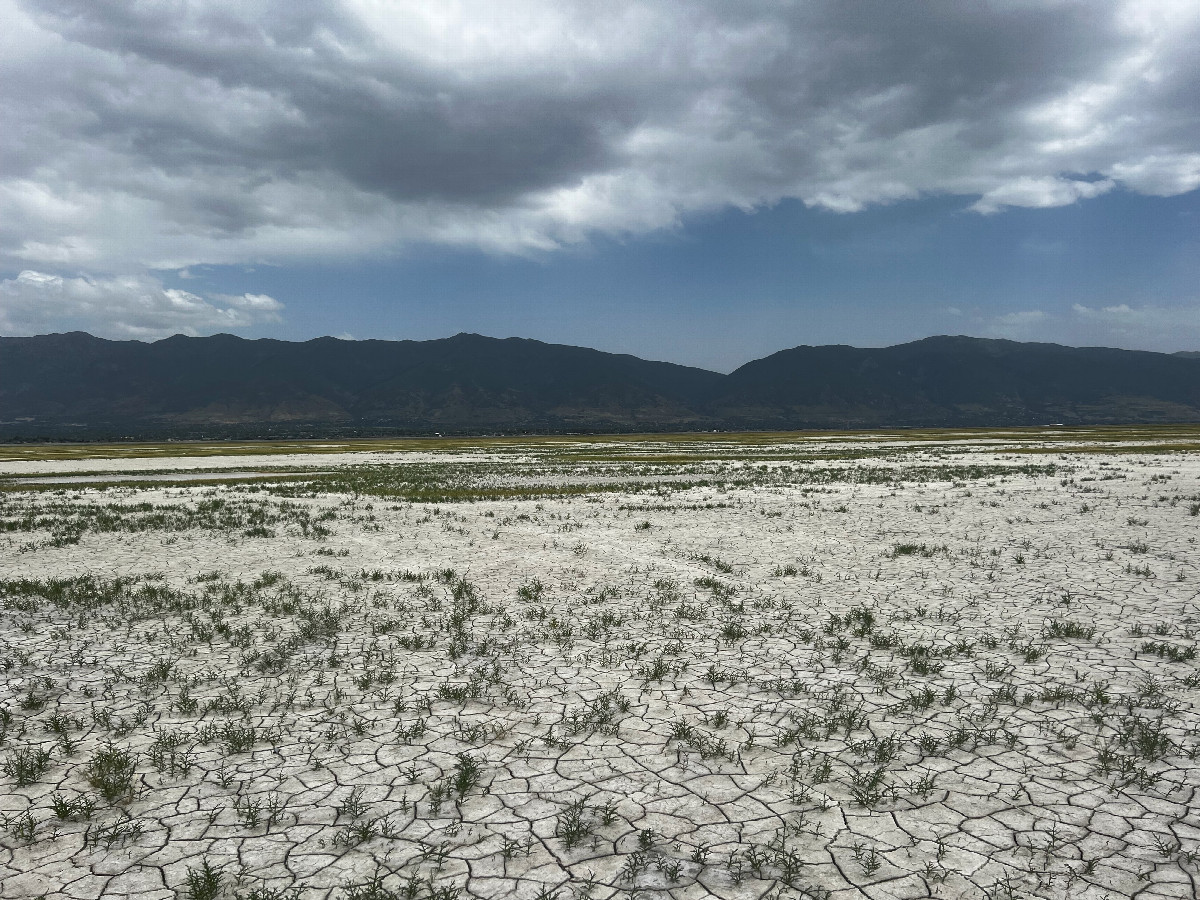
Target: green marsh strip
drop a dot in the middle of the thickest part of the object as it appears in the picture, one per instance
(464, 482)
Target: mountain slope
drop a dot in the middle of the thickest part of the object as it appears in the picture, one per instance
(466, 380)
(960, 381)
(76, 384)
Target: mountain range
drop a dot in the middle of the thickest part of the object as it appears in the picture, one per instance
(77, 385)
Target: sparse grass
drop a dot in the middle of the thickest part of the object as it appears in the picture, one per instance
(826, 624)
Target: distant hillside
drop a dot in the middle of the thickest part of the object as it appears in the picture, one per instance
(466, 381)
(76, 385)
(960, 381)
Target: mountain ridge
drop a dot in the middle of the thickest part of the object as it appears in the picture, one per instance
(74, 384)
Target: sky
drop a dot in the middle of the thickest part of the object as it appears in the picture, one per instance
(699, 182)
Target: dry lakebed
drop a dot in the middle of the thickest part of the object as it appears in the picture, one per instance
(948, 664)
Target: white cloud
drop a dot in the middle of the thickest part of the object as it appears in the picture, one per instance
(1171, 327)
(1132, 326)
(1021, 325)
(1041, 193)
(252, 303)
(174, 135)
(1163, 176)
(136, 306)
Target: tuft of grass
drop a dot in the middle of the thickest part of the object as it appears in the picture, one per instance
(76, 809)
(26, 765)
(205, 882)
(1062, 628)
(353, 806)
(467, 772)
(574, 824)
(111, 771)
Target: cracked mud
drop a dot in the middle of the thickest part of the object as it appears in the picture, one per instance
(952, 666)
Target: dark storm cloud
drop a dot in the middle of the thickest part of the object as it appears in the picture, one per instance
(298, 90)
(169, 133)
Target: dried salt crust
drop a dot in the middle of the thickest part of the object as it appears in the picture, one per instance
(1036, 818)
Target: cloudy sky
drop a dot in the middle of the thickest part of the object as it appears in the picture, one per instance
(703, 182)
